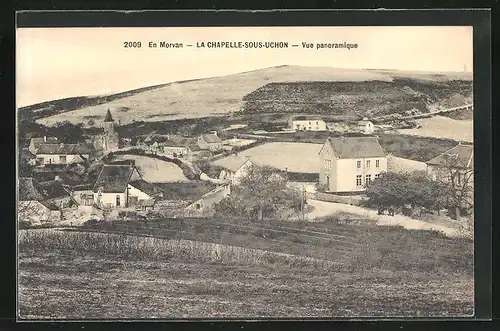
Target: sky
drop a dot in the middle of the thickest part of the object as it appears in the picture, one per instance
(66, 62)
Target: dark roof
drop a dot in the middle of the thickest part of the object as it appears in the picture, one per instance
(40, 140)
(108, 117)
(188, 191)
(114, 178)
(82, 148)
(231, 162)
(29, 190)
(356, 147)
(194, 148)
(26, 154)
(211, 138)
(179, 142)
(52, 189)
(460, 156)
(146, 187)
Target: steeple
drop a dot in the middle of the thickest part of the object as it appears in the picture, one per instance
(108, 117)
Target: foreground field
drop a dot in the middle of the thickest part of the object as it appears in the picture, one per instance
(443, 127)
(210, 268)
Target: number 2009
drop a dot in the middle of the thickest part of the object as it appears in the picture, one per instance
(132, 44)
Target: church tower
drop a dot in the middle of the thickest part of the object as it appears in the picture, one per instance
(109, 123)
(110, 137)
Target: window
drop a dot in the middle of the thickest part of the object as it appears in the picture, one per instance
(368, 179)
(377, 163)
(358, 164)
(309, 123)
(328, 164)
(368, 163)
(358, 180)
(317, 123)
(458, 179)
(118, 201)
(62, 158)
(377, 176)
(198, 206)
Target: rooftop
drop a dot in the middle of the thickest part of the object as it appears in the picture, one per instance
(231, 162)
(356, 147)
(114, 178)
(82, 148)
(460, 156)
(108, 117)
(211, 138)
(146, 187)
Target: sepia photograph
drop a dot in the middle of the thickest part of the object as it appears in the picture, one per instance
(245, 172)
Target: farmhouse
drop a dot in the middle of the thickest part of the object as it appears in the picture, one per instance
(36, 142)
(348, 164)
(205, 206)
(42, 201)
(365, 126)
(455, 164)
(313, 124)
(234, 166)
(210, 142)
(63, 153)
(180, 147)
(121, 186)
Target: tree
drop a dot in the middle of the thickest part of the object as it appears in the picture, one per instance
(261, 193)
(458, 178)
(417, 189)
(69, 132)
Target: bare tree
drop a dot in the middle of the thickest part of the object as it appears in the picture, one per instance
(458, 176)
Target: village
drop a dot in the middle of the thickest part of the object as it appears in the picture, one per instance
(109, 177)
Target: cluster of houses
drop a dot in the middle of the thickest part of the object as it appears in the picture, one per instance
(348, 165)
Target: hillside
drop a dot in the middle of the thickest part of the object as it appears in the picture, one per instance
(367, 98)
(211, 96)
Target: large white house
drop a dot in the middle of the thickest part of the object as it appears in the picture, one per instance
(348, 164)
(309, 125)
(63, 153)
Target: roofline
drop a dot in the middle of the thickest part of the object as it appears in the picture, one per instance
(97, 180)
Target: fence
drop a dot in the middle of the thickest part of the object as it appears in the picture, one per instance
(350, 200)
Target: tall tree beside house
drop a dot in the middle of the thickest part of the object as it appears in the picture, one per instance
(454, 169)
(261, 193)
(69, 132)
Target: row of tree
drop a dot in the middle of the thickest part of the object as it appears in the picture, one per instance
(419, 190)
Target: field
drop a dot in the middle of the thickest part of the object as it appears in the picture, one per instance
(195, 99)
(296, 157)
(443, 127)
(155, 171)
(290, 269)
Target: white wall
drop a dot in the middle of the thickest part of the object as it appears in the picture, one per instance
(309, 125)
(347, 172)
(56, 159)
(134, 192)
(109, 199)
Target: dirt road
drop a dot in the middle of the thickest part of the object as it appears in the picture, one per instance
(322, 209)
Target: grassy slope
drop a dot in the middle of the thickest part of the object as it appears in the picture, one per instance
(395, 272)
(155, 171)
(194, 99)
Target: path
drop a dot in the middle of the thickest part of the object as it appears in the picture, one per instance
(322, 209)
(437, 112)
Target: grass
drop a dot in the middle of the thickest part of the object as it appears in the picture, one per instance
(394, 272)
(444, 127)
(296, 157)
